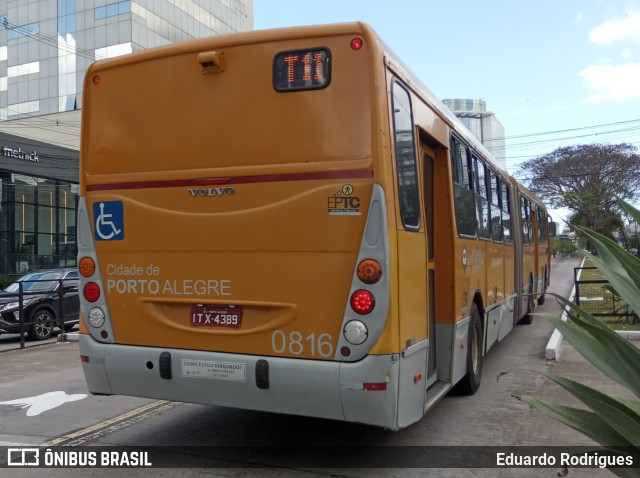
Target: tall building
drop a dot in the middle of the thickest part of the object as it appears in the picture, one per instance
(483, 124)
(46, 47)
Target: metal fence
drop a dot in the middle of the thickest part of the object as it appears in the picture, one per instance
(16, 316)
(599, 298)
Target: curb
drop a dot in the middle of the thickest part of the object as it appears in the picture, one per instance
(630, 334)
(70, 337)
(554, 346)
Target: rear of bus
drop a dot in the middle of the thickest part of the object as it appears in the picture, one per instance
(233, 234)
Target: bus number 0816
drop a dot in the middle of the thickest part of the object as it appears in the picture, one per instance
(296, 344)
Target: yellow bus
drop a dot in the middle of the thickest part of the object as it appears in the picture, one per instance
(288, 221)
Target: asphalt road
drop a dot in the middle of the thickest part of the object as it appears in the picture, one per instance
(492, 417)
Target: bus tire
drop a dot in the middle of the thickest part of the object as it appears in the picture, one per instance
(527, 318)
(470, 383)
(544, 287)
(541, 299)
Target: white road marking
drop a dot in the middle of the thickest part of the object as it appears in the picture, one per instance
(41, 403)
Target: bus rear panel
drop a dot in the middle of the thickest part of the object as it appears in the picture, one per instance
(228, 198)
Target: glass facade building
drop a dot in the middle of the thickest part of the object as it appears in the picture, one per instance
(38, 203)
(483, 124)
(46, 47)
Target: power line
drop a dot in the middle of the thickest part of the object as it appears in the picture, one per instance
(525, 157)
(528, 135)
(50, 41)
(569, 138)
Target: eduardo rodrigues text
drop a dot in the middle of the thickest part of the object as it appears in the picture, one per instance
(590, 460)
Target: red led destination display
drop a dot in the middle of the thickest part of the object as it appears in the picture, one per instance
(302, 70)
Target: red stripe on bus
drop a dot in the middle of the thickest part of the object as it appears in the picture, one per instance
(266, 178)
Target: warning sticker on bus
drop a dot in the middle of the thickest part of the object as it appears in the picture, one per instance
(231, 371)
(216, 316)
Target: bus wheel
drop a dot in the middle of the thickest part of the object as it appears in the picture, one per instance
(544, 287)
(471, 381)
(541, 299)
(527, 318)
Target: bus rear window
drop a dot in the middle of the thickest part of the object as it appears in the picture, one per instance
(302, 70)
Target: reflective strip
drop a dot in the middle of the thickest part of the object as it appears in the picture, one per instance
(265, 178)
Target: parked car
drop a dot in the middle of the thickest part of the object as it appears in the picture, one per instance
(41, 303)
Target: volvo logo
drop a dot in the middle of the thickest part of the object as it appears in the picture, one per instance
(211, 192)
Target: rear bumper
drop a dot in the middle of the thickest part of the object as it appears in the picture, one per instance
(322, 389)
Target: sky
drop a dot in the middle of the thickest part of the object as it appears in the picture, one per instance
(554, 72)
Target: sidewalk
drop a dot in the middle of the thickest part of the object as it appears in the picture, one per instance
(574, 366)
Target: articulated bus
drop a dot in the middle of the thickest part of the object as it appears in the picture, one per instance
(288, 221)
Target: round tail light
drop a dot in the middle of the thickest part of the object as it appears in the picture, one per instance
(355, 332)
(86, 267)
(369, 271)
(362, 302)
(91, 291)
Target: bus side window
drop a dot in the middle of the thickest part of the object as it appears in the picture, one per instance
(531, 231)
(409, 197)
(463, 195)
(525, 213)
(542, 225)
(525, 225)
(482, 198)
(496, 209)
(506, 213)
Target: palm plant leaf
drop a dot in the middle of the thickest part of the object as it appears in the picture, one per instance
(586, 422)
(616, 413)
(606, 350)
(611, 420)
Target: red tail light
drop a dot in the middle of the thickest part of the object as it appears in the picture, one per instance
(362, 302)
(91, 291)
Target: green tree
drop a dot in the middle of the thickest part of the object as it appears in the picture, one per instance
(562, 246)
(587, 179)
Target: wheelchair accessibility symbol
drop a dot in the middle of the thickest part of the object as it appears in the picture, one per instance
(109, 220)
